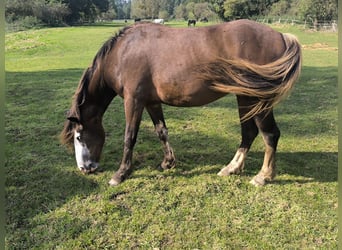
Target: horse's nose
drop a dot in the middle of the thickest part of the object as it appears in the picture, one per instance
(93, 166)
(89, 168)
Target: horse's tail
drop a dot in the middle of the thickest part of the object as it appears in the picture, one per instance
(269, 82)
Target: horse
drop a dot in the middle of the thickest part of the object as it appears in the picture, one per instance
(191, 22)
(204, 20)
(151, 65)
(160, 21)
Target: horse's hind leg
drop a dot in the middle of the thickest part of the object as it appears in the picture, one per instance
(267, 126)
(249, 131)
(156, 114)
(270, 134)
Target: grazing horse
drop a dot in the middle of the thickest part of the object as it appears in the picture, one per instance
(160, 21)
(191, 22)
(149, 65)
(204, 20)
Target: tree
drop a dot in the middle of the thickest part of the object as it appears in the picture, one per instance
(166, 6)
(190, 9)
(51, 12)
(138, 9)
(234, 9)
(122, 8)
(111, 13)
(317, 9)
(152, 8)
(217, 7)
(202, 10)
(57, 12)
(18, 8)
(148, 9)
(85, 10)
(180, 12)
(280, 8)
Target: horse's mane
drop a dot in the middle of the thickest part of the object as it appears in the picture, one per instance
(109, 44)
(66, 136)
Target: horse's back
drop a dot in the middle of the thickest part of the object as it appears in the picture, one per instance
(161, 61)
(237, 39)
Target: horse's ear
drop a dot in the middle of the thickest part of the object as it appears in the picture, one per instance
(72, 117)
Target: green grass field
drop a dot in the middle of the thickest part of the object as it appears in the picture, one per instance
(51, 205)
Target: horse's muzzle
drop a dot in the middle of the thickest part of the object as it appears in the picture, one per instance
(90, 168)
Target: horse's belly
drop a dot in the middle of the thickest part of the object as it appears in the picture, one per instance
(187, 95)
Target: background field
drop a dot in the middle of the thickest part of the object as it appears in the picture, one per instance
(51, 205)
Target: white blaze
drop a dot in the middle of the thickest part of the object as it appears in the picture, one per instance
(81, 152)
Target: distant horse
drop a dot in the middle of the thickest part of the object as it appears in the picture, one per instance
(137, 20)
(160, 21)
(149, 65)
(204, 20)
(191, 22)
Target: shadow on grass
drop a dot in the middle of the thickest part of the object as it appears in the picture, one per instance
(302, 167)
(37, 177)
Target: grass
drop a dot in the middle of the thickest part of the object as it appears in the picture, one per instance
(51, 205)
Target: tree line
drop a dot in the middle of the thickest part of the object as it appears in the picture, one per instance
(70, 12)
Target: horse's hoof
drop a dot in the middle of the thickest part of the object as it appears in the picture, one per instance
(258, 181)
(116, 179)
(113, 182)
(223, 172)
(229, 170)
(165, 165)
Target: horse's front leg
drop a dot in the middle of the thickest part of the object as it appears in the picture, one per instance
(133, 113)
(157, 116)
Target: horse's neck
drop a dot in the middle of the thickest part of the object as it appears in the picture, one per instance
(97, 98)
(97, 103)
(98, 95)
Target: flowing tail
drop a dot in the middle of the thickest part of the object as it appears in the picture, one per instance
(270, 83)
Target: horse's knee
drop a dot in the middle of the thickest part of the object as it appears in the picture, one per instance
(271, 138)
(162, 132)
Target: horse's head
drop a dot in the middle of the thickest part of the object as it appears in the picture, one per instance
(88, 138)
(83, 126)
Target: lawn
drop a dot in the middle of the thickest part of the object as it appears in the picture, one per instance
(51, 205)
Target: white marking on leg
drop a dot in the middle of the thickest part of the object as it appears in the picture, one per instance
(236, 165)
(239, 159)
(267, 172)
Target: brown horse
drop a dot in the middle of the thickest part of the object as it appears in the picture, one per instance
(149, 65)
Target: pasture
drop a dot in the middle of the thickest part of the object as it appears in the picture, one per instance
(50, 204)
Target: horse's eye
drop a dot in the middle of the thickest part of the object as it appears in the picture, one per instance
(78, 135)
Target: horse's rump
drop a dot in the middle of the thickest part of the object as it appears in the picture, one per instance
(268, 82)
